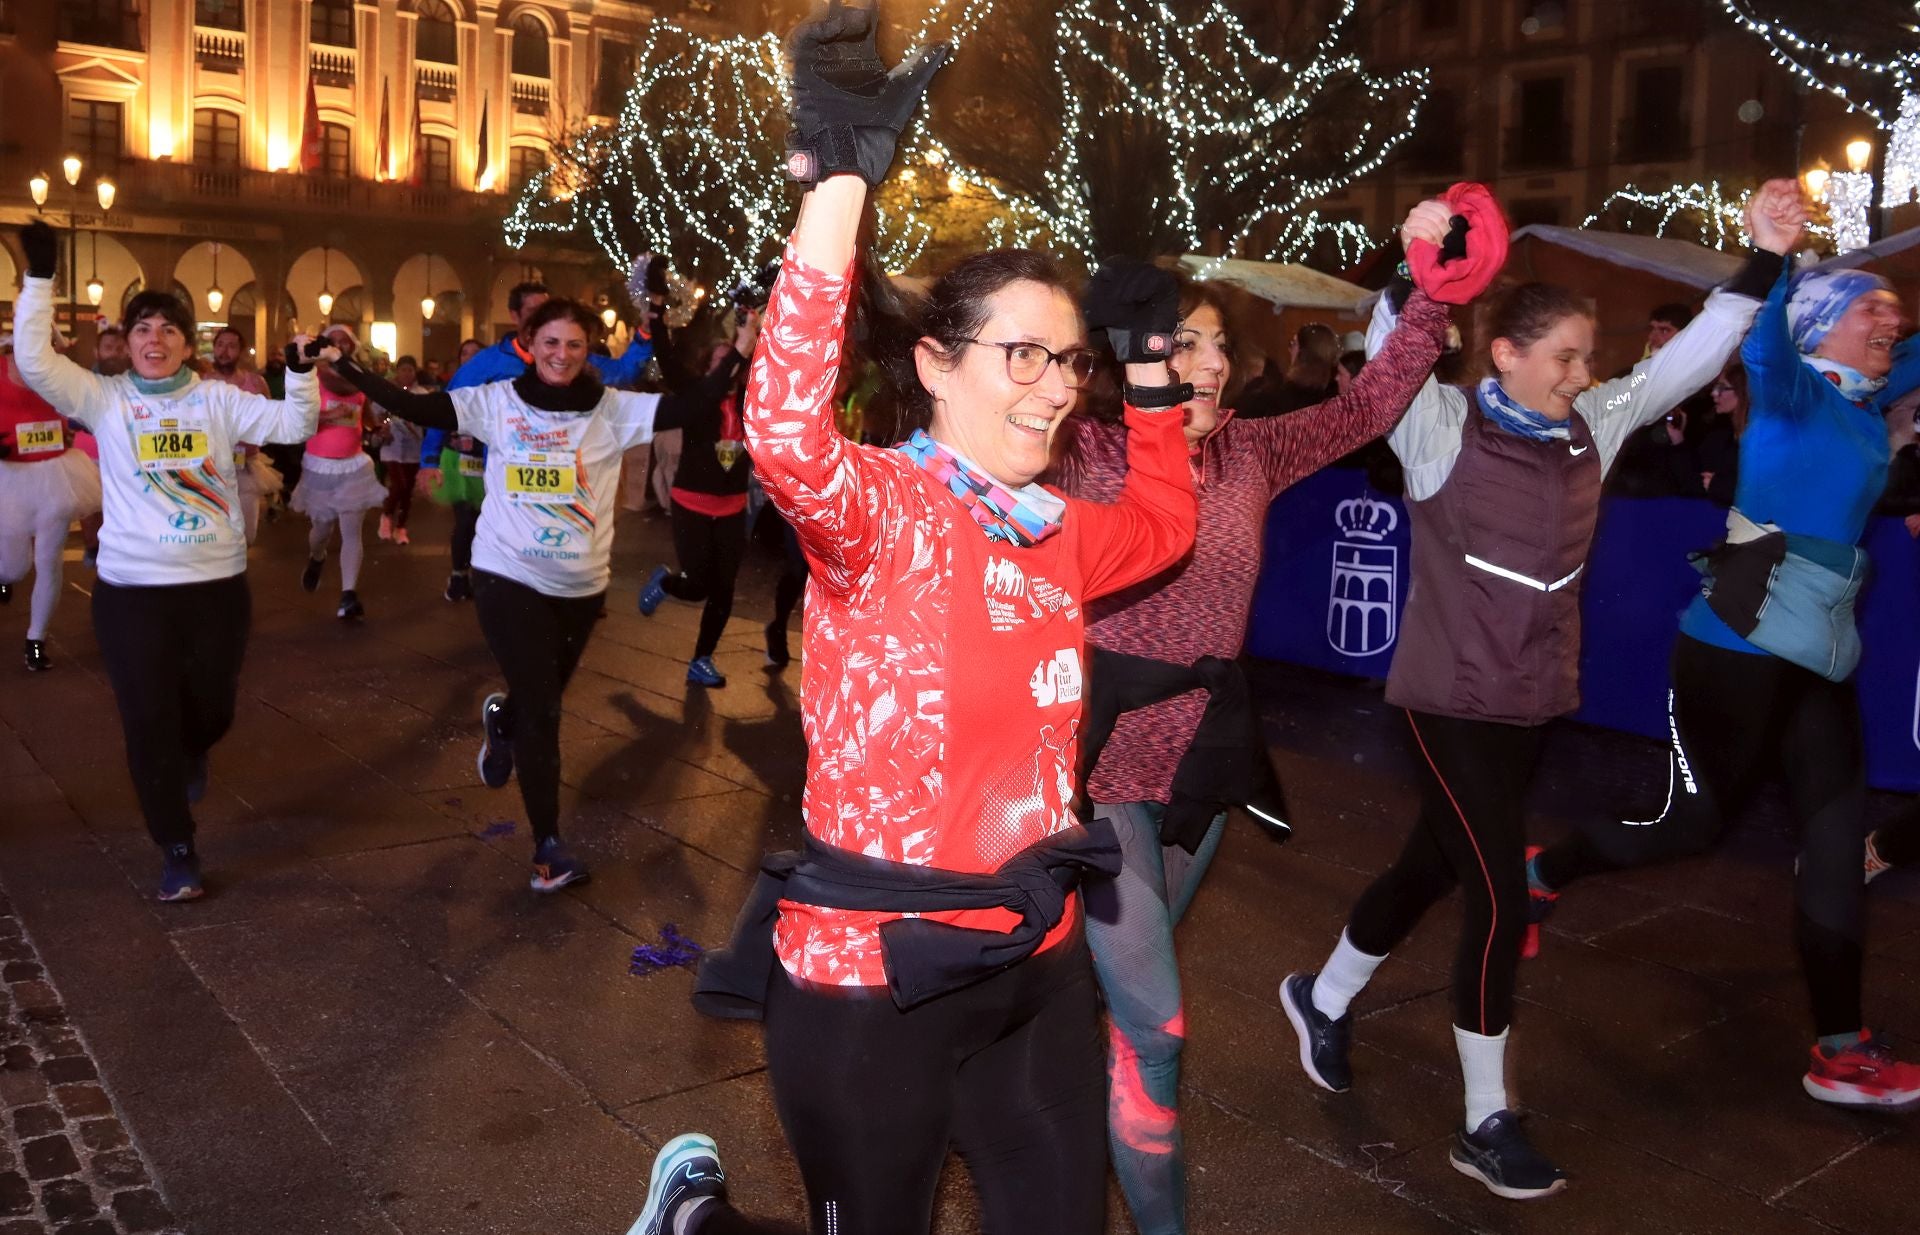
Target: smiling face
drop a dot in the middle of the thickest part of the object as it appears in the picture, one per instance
(158, 348)
(559, 351)
(1203, 355)
(1004, 427)
(1864, 336)
(1550, 373)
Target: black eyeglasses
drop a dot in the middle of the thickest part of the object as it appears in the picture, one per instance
(1027, 362)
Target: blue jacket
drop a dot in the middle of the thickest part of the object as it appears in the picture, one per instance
(1811, 461)
(501, 363)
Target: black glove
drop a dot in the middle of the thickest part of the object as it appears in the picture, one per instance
(1138, 305)
(848, 111)
(42, 247)
(303, 364)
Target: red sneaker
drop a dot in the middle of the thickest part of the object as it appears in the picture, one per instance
(1865, 1074)
(1539, 905)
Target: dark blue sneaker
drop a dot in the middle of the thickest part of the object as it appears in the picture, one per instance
(700, 672)
(686, 1173)
(554, 868)
(1498, 1155)
(197, 774)
(496, 748)
(180, 876)
(652, 594)
(1324, 1042)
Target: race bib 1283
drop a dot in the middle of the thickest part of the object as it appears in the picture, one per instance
(541, 477)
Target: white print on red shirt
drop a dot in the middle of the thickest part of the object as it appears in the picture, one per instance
(1057, 680)
(1004, 580)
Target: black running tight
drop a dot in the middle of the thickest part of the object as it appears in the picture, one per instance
(1736, 717)
(466, 522)
(1472, 835)
(710, 550)
(793, 578)
(1007, 1072)
(537, 641)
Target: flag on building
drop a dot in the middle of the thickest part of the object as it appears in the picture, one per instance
(312, 155)
(383, 155)
(482, 169)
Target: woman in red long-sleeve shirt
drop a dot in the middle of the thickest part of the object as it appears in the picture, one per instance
(941, 701)
(1198, 608)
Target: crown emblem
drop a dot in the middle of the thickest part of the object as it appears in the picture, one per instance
(1362, 518)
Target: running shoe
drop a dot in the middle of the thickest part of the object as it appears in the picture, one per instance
(777, 657)
(1864, 1074)
(700, 672)
(653, 593)
(386, 527)
(400, 536)
(310, 578)
(197, 773)
(1498, 1155)
(350, 608)
(496, 749)
(1876, 865)
(686, 1173)
(1324, 1042)
(1539, 905)
(37, 656)
(180, 875)
(554, 868)
(459, 586)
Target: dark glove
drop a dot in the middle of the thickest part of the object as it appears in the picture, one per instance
(42, 247)
(1138, 305)
(848, 110)
(302, 364)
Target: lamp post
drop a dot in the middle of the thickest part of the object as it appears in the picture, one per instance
(104, 193)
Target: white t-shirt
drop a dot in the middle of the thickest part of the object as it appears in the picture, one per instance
(169, 475)
(551, 483)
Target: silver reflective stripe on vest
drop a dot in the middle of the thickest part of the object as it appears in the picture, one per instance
(1517, 577)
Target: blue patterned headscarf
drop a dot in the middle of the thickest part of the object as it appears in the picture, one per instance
(1818, 299)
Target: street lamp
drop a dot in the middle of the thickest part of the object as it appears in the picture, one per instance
(326, 285)
(608, 316)
(71, 166)
(1815, 178)
(426, 301)
(215, 297)
(1859, 154)
(38, 187)
(96, 290)
(104, 190)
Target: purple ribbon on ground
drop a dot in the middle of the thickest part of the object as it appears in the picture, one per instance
(673, 951)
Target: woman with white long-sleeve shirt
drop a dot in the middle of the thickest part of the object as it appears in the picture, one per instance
(1503, 490)
(171, 607)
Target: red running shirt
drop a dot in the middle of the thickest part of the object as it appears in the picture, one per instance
(31, 431)
(943, 672)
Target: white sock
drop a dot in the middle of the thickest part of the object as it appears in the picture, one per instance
(1345, 975)
(1483, 1065)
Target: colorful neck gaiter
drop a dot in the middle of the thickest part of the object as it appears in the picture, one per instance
(1024, 517)
(1856, 386)
(1516, 419)
(164, 385)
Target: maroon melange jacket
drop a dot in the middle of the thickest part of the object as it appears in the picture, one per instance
(1199, 607)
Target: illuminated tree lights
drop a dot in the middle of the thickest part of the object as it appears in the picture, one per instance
(1242, 142)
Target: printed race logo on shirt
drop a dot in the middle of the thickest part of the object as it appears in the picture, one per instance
(1057, 680)
(1007, 596)
(39, 437)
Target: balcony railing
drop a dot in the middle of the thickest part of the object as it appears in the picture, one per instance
(531, 94)
(1541, 147)
(435, 82)
(333, 66)
(220, 50)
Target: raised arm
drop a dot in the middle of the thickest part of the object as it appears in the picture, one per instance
(1151, 525)
(1301, 443)
(434, 410)
(71, 389)
(697, 406)
(260, 419)
(626, 368)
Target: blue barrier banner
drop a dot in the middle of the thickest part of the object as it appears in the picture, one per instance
(1334, 579)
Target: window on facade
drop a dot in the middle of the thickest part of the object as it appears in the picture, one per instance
(435, 37)
(1439, 140)
(336, 151)
(216, 139)
(529, 46)
(1439, 14)
(523, 164)
(616, 75)
(1656, 130)
(94, 131)
(220, 14)
(103, 23)
(436, 162)
(1542, 136)
(331, 24)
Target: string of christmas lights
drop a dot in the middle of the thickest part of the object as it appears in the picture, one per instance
(1848, 195)
(1721, 219)
(691, 160)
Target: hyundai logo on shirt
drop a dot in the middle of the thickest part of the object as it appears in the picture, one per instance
(187, 521)
(554, 537)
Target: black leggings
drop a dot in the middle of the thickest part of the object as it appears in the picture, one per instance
(1008, 1072)
(710, 550)
(793, 578)
(537, 640)
(466, 521)
(1897, 841)
(1472, 834)
(173, 655)
(1735, 716)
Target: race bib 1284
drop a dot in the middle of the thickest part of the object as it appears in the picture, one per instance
(172, 450)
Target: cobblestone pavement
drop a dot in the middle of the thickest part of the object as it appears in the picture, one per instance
(372, 1026)
(69, 1165)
